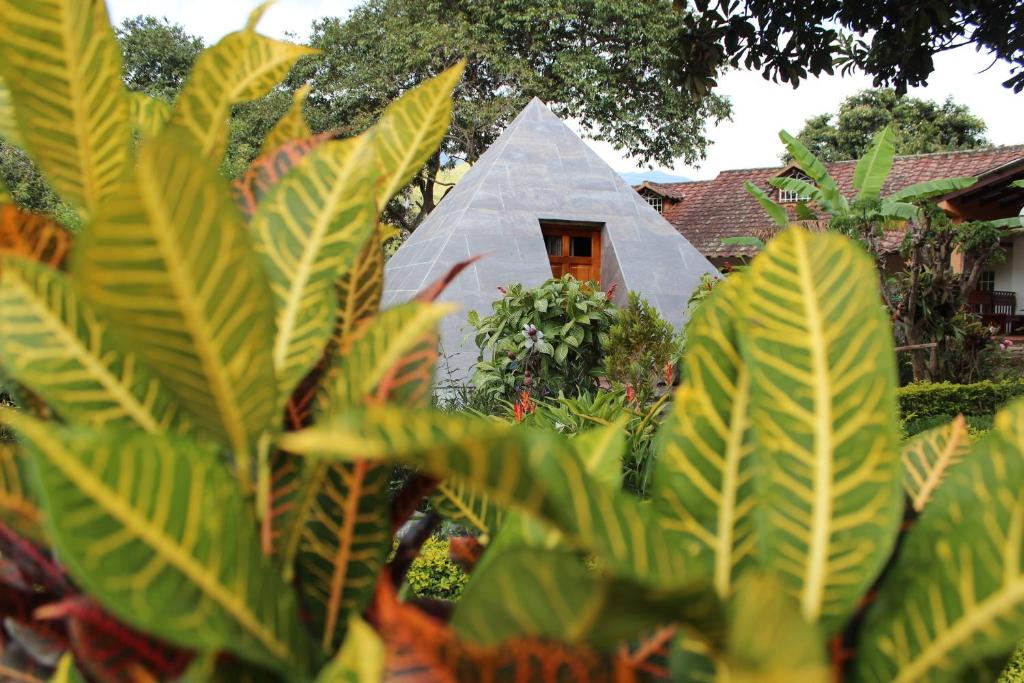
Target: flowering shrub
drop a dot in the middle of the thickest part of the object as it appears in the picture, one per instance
(433, 574)
(542, 340)
(641, 349)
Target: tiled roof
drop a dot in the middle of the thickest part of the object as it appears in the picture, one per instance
(671, 190)
(711, 210)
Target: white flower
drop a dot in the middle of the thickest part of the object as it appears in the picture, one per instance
(532, 334)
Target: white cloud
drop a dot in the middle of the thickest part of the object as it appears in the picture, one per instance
(760, 108)
(211, 19)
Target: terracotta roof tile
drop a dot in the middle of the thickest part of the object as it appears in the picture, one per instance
(710, 210)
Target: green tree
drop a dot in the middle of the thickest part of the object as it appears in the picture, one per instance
(790, 40)
(604, 63)
(158, 55)
(920, 126)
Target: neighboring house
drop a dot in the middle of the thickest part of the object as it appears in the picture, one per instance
(539, 203)
(707, 211)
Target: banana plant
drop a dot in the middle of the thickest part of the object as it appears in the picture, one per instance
(869, 177)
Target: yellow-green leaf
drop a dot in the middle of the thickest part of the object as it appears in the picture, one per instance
(154, 528)
(928, 457)
(823, 413)
(361, 658)
(55, 343)
(459, 502)
(536, 472)
(18, 508)
(955, 596)
(307, 231)
(411, 129)
(291, 126)
(376, 349)
(339, 533)
(359, 290)
(601, 452)
(243, 66)
(344, 542)
(703, 480)
(63, 67)
(530, 592)
(5, 195)
(8, 121)
(768, 640)
(148, 114)
(169, 260)
(67, 671)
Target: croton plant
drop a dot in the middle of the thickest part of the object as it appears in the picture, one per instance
(211, 404)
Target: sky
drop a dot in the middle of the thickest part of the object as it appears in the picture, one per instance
(760, 108)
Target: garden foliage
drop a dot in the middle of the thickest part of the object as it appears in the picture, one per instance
(641, 349)
(930, 399)
(546, 340)
(198, 489)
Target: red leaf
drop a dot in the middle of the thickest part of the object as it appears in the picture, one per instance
(434, 290)
(111, 651)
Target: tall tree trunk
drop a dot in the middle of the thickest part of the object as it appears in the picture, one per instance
(911, 319)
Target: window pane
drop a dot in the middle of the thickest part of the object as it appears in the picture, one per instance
(579, 246)
(553, 243)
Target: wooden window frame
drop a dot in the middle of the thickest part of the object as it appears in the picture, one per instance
(567, 230)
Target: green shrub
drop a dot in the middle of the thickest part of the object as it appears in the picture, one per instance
(977, 425)
(641, 347)
(546, 339)
(1014, 671)
(931, 399)
(433, 574)
(574, 416)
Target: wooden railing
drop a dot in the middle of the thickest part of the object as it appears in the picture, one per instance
(997, 309)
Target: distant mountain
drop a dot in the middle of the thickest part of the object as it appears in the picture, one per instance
(652, 176)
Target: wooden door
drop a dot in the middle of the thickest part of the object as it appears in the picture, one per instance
(573, 250)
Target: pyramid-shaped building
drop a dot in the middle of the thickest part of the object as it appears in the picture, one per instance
(539, 202)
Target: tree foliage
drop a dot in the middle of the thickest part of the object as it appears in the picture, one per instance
(604, 63)
(158, 55)
(920, 126)
(789, 41)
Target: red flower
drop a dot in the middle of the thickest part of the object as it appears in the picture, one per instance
(518, 409)
(611, 290)
(502, 290)
(669, 374)
(630, 393)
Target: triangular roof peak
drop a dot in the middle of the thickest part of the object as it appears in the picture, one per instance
(539, 170)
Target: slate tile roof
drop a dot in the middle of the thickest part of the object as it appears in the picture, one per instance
(709, 210)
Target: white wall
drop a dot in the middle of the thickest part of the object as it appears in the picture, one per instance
(1007, 278)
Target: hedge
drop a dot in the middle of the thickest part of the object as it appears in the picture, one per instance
(433, 575)
(933, 399)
